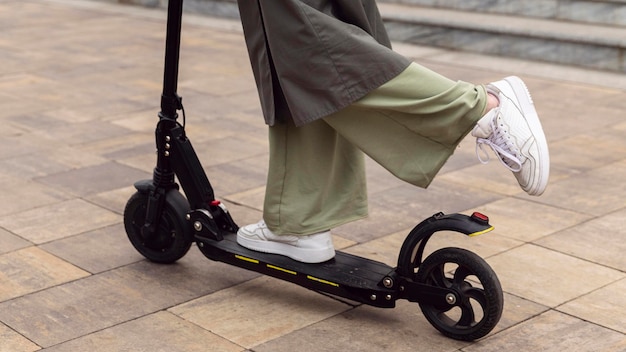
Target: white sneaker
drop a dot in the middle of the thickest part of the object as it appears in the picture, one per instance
(515, 134)
(314, 248)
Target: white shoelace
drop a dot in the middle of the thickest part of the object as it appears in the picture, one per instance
(500, 142)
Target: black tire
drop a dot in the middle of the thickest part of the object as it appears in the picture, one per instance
(173, 238)
(480, 301)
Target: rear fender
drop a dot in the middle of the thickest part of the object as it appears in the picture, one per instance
(412, 250)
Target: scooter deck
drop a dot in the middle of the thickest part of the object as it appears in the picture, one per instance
(346, 275)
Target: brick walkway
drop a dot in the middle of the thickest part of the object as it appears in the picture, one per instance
(79, 92)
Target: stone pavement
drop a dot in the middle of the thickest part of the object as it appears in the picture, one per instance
(79, 92)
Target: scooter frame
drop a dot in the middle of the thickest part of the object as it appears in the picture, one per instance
(162, 224)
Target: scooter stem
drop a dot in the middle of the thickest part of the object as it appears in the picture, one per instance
(170, 101)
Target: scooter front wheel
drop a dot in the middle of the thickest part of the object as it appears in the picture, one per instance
(172, 238)
(476, 307)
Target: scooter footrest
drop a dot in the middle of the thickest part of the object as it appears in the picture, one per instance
(345, 275)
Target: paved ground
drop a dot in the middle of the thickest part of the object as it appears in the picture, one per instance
(79, 92)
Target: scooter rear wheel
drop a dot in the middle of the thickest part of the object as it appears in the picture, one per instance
(477, 306)
(172, 239)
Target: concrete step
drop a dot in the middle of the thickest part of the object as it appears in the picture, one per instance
(578, 44)
(606, 12)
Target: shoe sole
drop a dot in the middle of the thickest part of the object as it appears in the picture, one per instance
(520, 90)
(303, 255)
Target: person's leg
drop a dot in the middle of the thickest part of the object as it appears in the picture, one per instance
(316, 181)
(412, 129)
(412, 124)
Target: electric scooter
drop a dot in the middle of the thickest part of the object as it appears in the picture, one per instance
(457, 291)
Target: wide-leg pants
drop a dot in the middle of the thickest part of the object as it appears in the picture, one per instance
(410, 125)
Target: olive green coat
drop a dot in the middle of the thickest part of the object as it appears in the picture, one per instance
(312, 58)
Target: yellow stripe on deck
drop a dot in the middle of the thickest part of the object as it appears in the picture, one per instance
(281, 269)
(246, 259)
(322, 281)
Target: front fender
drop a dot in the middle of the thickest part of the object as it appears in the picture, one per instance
(409, 258)
(144, 186)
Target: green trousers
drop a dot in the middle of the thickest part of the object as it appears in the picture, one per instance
(411, 126)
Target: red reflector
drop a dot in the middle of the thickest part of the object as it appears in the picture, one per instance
(480, 216)
(215, 203)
